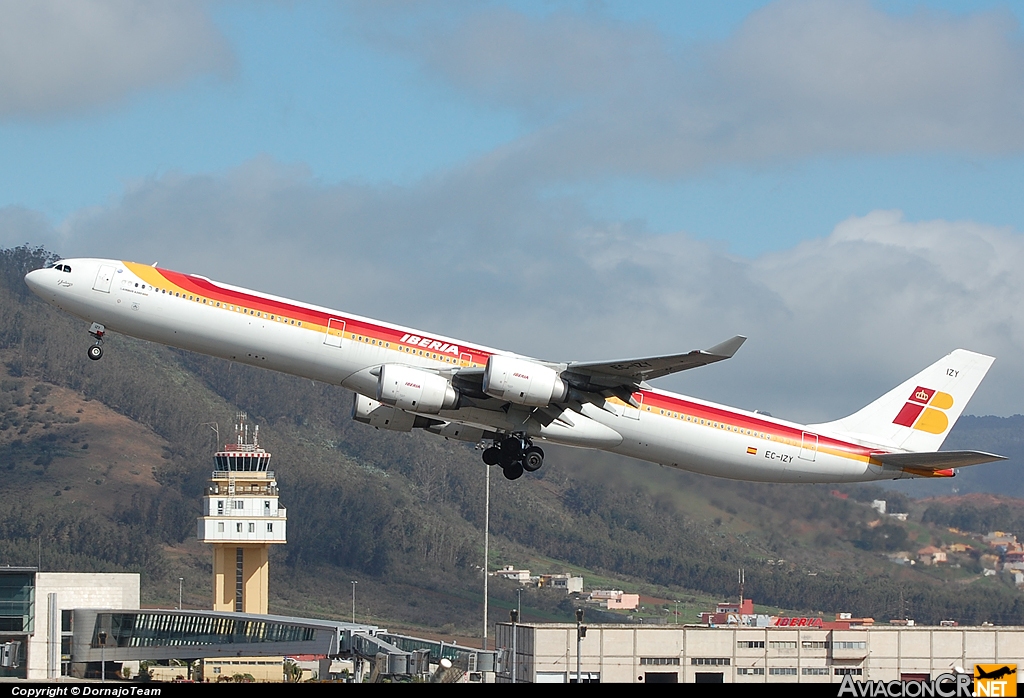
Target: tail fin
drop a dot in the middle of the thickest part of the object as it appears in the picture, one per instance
(918, 414)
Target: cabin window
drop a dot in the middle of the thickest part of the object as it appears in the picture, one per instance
(270, 528)
(252, 528)
(238, 528)
(220, 527)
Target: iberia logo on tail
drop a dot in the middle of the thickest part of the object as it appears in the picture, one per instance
(925, 411)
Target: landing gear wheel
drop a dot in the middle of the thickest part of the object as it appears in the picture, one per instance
(95, 352)
(533, 458)
(514, 471)
(492, 455)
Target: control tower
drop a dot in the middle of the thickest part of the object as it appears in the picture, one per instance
(241, 520)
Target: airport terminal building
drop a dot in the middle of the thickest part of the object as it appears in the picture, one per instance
(37, 615)
(547, 653)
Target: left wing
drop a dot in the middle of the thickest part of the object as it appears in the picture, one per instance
(636, 371)
(592, 381)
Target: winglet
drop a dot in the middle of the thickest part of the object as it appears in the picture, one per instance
(727, 348)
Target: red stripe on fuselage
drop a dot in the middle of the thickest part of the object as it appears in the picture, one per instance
(660, 401)
(209, 289)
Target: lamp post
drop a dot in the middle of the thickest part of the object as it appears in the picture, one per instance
(102, 636)
(514, 616)
(354, 582)
(581, 632)
(487, 526)
(180, 581)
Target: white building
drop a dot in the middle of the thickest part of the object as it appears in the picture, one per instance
(546, 653)
(35, 613)
(509, 572)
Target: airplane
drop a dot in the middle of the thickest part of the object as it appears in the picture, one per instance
(406, 379)
(995, 673)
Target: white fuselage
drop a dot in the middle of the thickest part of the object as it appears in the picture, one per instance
(194, 313)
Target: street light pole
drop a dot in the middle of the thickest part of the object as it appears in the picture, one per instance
(103, 661)
(487, 531)
(180, 580)
(354, 582)
(581, 632)
(514, 615)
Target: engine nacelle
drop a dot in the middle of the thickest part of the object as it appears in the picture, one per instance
(381, 416)
(415, 390)
(523, 382)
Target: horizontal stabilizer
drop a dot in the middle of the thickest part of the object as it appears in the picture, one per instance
(936, 460)
(638, 370)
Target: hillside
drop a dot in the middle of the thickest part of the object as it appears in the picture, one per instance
(1002, 435)
(106, 462)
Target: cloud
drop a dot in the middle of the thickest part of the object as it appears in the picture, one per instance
(846, 76)
(58, 56)
(563, 60)
(833, 322)
(797, 78)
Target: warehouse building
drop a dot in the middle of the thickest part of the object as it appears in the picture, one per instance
(547, 653)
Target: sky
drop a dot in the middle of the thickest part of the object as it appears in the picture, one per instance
(840, 181)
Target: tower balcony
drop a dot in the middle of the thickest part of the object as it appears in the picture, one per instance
(225, 488)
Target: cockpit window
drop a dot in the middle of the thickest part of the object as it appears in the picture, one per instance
(60, 266)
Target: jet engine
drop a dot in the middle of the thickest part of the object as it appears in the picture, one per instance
(523, 382)
(415, 390)
(371, 412)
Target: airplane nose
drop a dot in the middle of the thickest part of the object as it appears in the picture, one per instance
(34, 280)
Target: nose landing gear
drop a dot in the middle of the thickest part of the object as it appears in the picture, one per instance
(515, 454)
(96, 350)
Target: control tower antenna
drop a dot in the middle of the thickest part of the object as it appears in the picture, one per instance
(241, 519)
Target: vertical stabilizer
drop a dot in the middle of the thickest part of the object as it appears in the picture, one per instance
(918, 414)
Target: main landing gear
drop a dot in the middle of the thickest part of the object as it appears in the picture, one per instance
(96, 350)
(514, 454)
